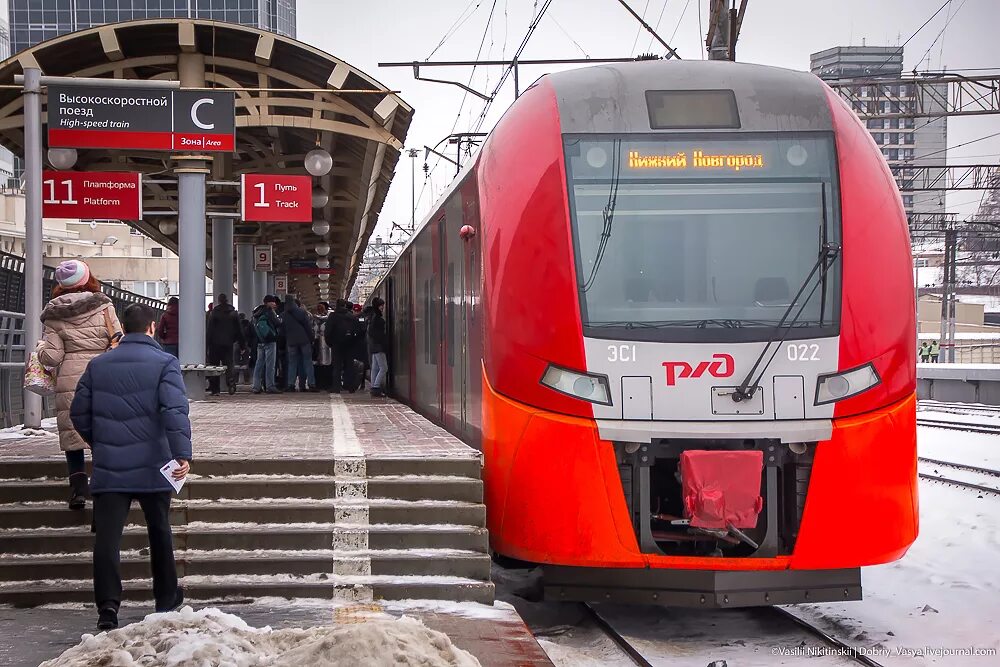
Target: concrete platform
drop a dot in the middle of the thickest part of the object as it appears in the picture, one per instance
(300, 495)
(496, 635)
(959, 383)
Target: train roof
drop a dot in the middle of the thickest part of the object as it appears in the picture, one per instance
(768, 99)
(612, 97)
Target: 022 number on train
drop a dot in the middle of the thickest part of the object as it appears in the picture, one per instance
(803, 352)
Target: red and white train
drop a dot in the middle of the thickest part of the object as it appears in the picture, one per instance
(672, 304)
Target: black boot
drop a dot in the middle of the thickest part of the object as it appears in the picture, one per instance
(175, 605)
(107, 618)
(79, 490)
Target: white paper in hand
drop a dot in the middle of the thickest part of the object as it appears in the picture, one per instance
(167, 471)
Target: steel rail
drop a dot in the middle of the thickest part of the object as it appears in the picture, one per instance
(961, 466)
(959, 426)
(965, 485)
(617, 637)
(849, 651)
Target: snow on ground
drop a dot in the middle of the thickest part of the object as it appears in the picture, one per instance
(975, 449)
(211, 637)
(943, 594)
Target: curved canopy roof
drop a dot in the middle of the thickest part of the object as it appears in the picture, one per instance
(290, 98)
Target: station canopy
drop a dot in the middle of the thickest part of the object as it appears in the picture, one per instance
(290, 98)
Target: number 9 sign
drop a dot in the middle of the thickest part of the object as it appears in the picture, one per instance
(262, 258)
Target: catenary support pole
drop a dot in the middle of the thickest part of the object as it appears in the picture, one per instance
(244, 278)
(222, 257)
(32, 230)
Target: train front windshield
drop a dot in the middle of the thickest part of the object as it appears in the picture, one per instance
(694, 238)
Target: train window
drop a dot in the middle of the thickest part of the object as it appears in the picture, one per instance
(677, 234)
(692, 109)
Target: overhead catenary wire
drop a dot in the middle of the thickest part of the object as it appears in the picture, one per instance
(949, 17)
(569, 36)
(456, 25)
(510, 68)
(461, 105)
(701, 33)
(915, 33)
(659, 18)
(638, 31)
(681, 18)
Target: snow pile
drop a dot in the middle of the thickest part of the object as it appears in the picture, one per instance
(209, 638)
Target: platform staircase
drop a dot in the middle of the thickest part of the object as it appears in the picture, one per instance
(246, 529)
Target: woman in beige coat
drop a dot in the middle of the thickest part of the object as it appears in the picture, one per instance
(80, 323)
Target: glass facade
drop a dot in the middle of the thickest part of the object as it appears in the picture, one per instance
(33, 21)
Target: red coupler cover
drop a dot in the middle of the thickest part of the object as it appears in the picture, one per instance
(722, 487)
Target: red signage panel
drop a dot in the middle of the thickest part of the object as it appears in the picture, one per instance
(112, 195)
(276, 198)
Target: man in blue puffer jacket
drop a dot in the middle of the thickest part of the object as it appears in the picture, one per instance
(132, 409)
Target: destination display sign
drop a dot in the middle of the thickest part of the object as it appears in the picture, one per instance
(276, 198)
(107, 195)
(695, 159)
(306, 266)
(158, 120)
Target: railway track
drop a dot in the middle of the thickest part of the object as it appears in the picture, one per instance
(959, 426)
(843, 649)
(982, 488)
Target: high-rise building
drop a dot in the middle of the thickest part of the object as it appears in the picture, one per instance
(904, 141)
(34, 21)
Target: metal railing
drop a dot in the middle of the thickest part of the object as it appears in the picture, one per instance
(12, 358)
(12, 287)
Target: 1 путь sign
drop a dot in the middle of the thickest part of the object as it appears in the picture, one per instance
(159, 120)
(276, 198)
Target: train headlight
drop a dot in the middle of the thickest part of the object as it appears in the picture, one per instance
(585, 386)
(838, 386)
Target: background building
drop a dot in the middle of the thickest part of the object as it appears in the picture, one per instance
(34, 21)
(115, 252)
(916, 141)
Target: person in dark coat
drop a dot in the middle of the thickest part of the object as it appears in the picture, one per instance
(361, 358)
(266, 324)
(170, 327)
(223, 333)
(131, 407)
(378, 346)
(298, 341)
(340, 337)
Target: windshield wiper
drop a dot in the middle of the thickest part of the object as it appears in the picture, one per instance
(608, 214)
(827, 256)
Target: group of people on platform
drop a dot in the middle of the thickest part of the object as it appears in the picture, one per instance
(929, 353)
(283, 347)
(327, 350)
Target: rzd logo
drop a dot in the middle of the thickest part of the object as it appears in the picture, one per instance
(723, 366)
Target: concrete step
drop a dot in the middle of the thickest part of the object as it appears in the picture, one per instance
(249, 587)
(135, 564)
(317, 487)
(55, 468)
(250, 537)
(263, 510)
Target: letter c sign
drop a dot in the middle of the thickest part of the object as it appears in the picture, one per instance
(194, 113)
